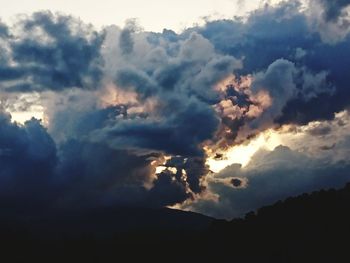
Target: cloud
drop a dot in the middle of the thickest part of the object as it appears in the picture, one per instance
(28, 158)
(334, 9)
(121, 101)
(274, 33)
(126, 42)
(38, 177)
(179, 134)
(167, 191)
(286, 82)
(271, 176)
(52, 52)
(320, 130)
(95, 175)
(316, 158)
(3, 30)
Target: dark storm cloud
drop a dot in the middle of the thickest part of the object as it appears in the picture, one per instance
(186, 67)
(93, 174)
(27, 162)
(138, 80)
(264, 38)
(179, 134)
(320, 130)
(126, 42)
(3, 30)
(286, 82)
(37, 178)
(334, 8)
(274, 33)
(179, 76)
(161, 101)
(167, 191)
(12, 73)
(52, 52)
(194, 167)
(70, 124)
(269, 93)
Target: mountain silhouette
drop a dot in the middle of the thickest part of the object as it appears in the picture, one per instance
(311, 227)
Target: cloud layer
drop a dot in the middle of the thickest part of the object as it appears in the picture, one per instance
(122, 103)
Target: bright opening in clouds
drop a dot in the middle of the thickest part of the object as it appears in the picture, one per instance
(242, 154)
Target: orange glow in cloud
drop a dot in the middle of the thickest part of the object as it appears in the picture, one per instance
(226, 151)
(111, 95)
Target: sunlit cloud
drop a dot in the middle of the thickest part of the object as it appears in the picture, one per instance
(241, 154)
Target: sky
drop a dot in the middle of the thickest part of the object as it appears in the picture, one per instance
(153, 15)
(148, 104)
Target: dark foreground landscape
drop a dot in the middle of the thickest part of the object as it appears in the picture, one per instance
(308, 228)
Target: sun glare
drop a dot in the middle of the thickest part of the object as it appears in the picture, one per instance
(23, 116)
(242, 154)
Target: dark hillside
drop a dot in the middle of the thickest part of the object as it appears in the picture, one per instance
(309, 228)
